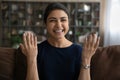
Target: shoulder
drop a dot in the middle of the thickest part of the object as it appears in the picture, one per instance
(42, 44)
(77, 46)
(42, 47)
(77, 50)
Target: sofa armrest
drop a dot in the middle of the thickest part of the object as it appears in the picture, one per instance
(7, 62)
(20, 65)
(105, 64)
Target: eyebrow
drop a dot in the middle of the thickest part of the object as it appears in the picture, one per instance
(55, 18)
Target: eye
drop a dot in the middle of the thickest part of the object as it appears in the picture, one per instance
(62, 20)
(52, 20)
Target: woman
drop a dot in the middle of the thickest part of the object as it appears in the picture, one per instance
(57, 58)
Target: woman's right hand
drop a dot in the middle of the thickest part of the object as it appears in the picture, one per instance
(29, 45)
(29, 49)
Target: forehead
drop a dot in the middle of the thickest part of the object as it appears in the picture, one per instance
(57, 13)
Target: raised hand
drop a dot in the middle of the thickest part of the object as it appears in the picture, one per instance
(91, 43)
(29, 45)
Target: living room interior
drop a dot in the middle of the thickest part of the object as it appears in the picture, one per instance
(99, 16)
(87, 16)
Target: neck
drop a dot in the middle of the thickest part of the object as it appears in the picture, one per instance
(61, 43)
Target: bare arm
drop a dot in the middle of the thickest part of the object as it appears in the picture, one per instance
(89, 48)
(29, 48)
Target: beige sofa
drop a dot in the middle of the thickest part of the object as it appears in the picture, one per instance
(105, 64)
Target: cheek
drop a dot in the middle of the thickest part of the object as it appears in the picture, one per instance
(67, 26)
(49, 27)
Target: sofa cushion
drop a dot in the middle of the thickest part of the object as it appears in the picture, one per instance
(7, 62)
(105, 64)
(20, 65)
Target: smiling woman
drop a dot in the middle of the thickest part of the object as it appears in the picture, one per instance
(57, 58)
(57, 24)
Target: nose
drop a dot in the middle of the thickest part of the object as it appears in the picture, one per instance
(58, 24)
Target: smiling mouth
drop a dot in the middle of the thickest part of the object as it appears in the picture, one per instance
(58, 31)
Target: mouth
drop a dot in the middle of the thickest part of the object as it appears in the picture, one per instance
(58, 31)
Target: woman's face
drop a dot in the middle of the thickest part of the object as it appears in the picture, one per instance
(57, 24)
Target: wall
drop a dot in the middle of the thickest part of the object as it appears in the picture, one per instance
(58, 0)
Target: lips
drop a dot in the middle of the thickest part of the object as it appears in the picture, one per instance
(58, 30)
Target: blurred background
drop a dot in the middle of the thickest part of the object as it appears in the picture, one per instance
(86, 16)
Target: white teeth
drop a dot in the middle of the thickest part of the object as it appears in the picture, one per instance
(58, 30)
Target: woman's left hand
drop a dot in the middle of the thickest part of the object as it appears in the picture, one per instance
(90, 45)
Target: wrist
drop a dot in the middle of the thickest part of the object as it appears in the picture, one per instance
(86, 61)
(87, 66)
(31, 60)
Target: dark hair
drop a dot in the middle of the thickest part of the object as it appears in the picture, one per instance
(54, 6)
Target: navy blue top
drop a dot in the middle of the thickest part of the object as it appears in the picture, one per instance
(58, 63)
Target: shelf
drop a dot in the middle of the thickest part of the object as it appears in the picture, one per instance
(20, 16)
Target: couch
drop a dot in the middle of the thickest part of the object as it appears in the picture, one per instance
(105, 64)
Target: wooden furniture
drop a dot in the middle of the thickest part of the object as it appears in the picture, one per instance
(105, 64)
(19, 16)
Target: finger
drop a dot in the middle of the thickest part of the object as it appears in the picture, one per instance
(94, 39)
(24, 40)
(90, 41)
(22, 48)
(85, 42)
(28, 38)
(32, 38)
(35, 41)
(97, 42)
